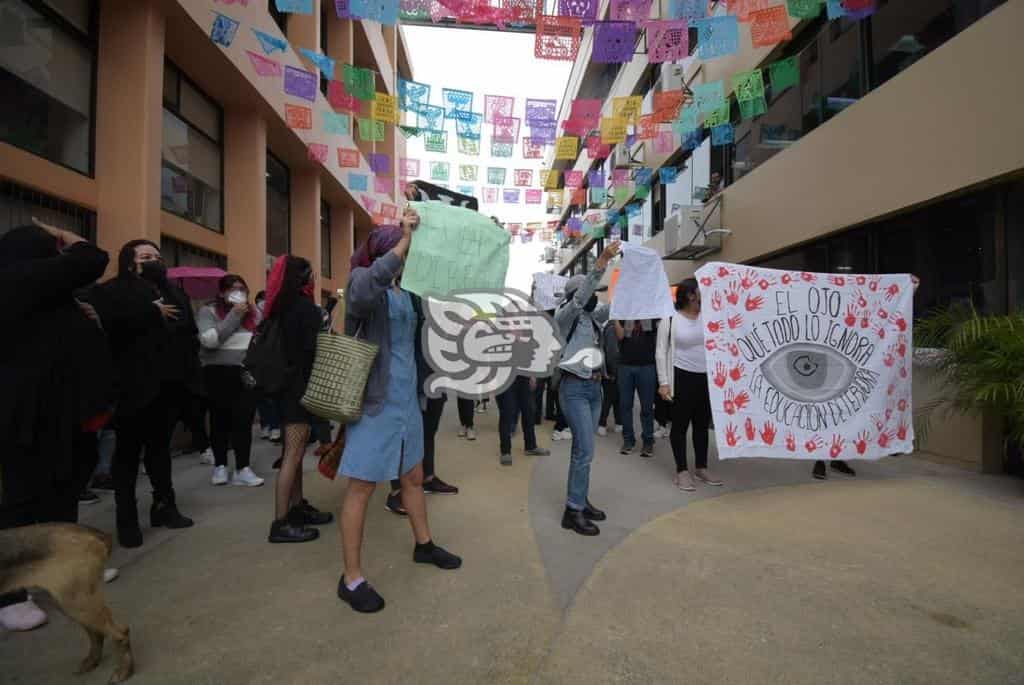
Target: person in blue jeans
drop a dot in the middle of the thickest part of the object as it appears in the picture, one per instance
(637, 376)
(579, 392)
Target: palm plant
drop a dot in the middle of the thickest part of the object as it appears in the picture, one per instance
(980, 366)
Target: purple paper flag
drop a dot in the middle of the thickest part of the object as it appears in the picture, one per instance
(300, 83)
(595, 179)
(511, 196)
(614, 42)
(636, 11)
(380, 163)
(583, 9)
(540, 111)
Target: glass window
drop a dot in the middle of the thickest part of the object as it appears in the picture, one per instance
(325, 239)
(1015, 244)
(279, 231)
(191, 166)
(19, 204)
(77, 12)
(177, 253)
(46, 84)
(280, 18)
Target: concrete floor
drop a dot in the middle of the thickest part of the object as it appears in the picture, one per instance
(912, 573)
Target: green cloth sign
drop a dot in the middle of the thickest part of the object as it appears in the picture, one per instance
(454, 249)
(784, 73)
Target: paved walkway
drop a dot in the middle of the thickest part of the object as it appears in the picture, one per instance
(910, 573)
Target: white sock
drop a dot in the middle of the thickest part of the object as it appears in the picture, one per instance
(355, 583)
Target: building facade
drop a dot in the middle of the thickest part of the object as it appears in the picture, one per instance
(901, 149)
(124, 120)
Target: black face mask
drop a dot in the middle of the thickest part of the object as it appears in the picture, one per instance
(591, 304)
(154, 271)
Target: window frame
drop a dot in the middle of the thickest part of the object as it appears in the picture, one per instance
(325, 240)
(90, 41)
(288, 177)
(219, 144)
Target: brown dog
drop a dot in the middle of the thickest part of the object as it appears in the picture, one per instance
(67, 561)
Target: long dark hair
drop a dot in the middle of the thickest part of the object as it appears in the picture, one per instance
(685, 288)
(126, 257)
(297, 272)
(228, 280)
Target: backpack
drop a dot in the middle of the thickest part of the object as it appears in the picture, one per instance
(265, 365)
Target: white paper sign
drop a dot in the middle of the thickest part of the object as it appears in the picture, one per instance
(548, 289)
(807, 365)
(642, 291)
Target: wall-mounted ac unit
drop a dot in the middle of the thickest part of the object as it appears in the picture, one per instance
(694, 232)
(671, 77)
(620, 156)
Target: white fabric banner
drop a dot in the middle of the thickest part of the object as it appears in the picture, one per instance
(642, 291)
(807, 365)
(547, 292)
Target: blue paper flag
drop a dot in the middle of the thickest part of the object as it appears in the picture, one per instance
(668, 174)
(642, 177)
(322, 62)
(294, 6)
(469, 127)
(458, 104)
(634, 209)
(412, 95)
(360, 9)
(687, 9)
(717, 36)
(358, 182)
(269, 43)
(692, 140)
(835, 9)
(223, 30)
(387, 12)
(465, 190)
(431, 118)
(708, 97)
(722, 135)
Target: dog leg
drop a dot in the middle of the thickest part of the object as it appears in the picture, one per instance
(88, 609)
(123, 646)
(92, 659)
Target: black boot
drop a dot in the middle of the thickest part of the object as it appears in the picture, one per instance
(310, 515)
(291, 529)
(842, 467)
(129, 534)
(573, 519)
(164, 512)
(819, 471)
(592, 513)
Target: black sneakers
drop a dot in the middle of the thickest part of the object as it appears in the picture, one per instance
(627, 449)
(842, 467)
(394, 504)
(164, 512)
(285, 530)
(647, 451)
(310, 515)
(363, 599)
(436, 486)
(819, 470)
(575, 520)
(429, 553)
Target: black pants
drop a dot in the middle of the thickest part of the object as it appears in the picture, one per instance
(431, 420)
(516, 402)
(466, 412)
(191, 409)
(610, 402)
(538, 401)
(232, 407)
(146, 433)
(691, 404)
(662, 411)
(29, 496)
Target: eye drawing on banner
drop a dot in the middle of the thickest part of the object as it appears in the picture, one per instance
(524, 177)
(557, 38)
(804, 365)
(436, 141)
(636, 11)
(614, 42)
(667, 41)
(532, 150)
(412, 95)
(541, 111)
(264, 66)
(717, 36)
(223, 30)
(506, 130)
(468, 146)
(458, 103)
(298, 117)
(300, 83)
(500, 105)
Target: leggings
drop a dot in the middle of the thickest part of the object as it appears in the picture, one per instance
(465, 412)
(232, 406)
(691, 404)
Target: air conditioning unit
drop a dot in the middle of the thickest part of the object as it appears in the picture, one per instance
(694, 232)
(620, 157)
(672, 77)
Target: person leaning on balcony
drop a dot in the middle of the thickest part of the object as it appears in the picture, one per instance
(680, 359)
(387, 442)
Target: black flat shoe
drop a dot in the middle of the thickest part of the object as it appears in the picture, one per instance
(394, 504)
(164, 512)
(283, 531)
(436, 486)
(129, 537)
(430, 553)
(592, 513)
(363, 599)
(819, 470)
(311, 516)
(574, 520)
(842, 467)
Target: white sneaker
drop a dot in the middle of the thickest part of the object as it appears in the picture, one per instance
(220, 475)
(247, 478)
(602, 431)
(110, 575)
(275, 435)
(207, 457)
(462, 432)
(22, 616)
(265, 433)
(618, 428)
(562, 435)
(470, 434)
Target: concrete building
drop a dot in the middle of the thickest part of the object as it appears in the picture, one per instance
(901, 150)
(122, 119)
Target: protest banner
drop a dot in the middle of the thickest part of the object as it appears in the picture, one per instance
(807, 365)
(548, 290)
(455, 249)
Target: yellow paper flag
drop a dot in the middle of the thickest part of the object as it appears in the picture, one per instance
(613, 130)
(385, 108)
(551, 181)
(628, 107)
(566, 147)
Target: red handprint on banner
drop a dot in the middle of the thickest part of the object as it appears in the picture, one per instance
(901, 323)
(714, 326)
(903, 372)
(902, 405)
(861, 280)
(765, 283)
(865, 321)
(837, 280)
(880, 331)
(790, 441)
(721, 374)
(901, 346)
(786, 279)
(884, 438)
(731, 439)
(751, 430)
(747, 282)
(706, 281)
(873, 285)
(754, 303)
(733, 296)
(729, 403)
(768, 433)
(878, 421)
(742, 400)
(862, 302)
(716, 301)
(882, 313)
(814, 444)
(735, 321)
(862, 442)
(901, 431)
(710, 345)
(737, 372)
(851, 316)
(892, 292)
(808, 277)
(837, 446)
(734, 349)
(723, 272)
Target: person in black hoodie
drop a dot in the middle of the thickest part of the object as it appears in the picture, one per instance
(152, 336)
(53, 392)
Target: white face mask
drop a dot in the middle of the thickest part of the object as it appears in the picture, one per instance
(237, 297)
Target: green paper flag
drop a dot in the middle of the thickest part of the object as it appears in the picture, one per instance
(718, 116)
(370, 130)
(642, 192)
(621, 194)
(496, 175)
(748, 85)
(409, 131)
(784, 73)
(359, 83)
(454, 248)
(804, 9)
(439, 171)
(598, 196)
(753, 108)
(435, 141)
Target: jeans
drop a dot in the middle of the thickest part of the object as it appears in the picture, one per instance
(515, 402)
(431, 420)
(642, 381)
(580, 401)
(610, 403)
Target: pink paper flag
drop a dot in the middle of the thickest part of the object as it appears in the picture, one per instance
(587, 111)
(500, 105)
(317, 152)
(369, 203)
(667, 41)
(665, 143)
(264, 66)
(410, 168)
(620, 175)
(573, 179)
(533, 196)
(383, 184)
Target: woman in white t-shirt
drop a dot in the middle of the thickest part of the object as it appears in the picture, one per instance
(683, 381)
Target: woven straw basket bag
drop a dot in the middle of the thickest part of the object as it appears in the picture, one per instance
(338, 380)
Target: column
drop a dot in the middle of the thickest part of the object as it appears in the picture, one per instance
(129, 121)
(303, 31)
(305, 207)
(245, 195)
(342, 242)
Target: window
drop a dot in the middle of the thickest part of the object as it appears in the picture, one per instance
(279, 215)
(47, 66)
(325, 239)
(177, 253)
(1015, 244)
(280, 18)
(191, 170)
(19, 204)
